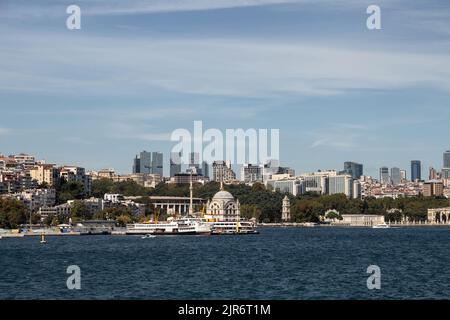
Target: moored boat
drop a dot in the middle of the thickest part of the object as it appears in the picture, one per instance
(233, 228)
(381, 226)
(160, 228)
(193, 226)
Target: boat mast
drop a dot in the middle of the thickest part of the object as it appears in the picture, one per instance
(191, 192)
(31, 226)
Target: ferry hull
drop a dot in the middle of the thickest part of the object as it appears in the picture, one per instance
(168, 233)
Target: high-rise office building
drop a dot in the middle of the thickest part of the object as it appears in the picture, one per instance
(384, 175)
(194, 160)
(222, 171)
(396, 177)
(251, 173)
(175, 163)
(136, 165)
(403, 175)
(157, 163)
(205, 169)
(416, 170)
(149, 163)
(146, 162)
(356, 170)
(433, 174)
(447, 159)
(341, 184)
(445, 174)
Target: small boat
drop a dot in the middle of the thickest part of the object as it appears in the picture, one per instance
(310, 224)
(148, 236)
(381, 226)
(43, 239)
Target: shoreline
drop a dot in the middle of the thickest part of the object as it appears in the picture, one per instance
(302, 225)
(8, 235)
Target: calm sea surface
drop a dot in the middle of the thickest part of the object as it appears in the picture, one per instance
(315, 263)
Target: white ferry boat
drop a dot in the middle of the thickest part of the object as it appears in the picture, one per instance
(162, 228)
(184, 226)
(233, 227)
(194, 226)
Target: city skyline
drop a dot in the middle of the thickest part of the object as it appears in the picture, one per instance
(337, 91)
(384, 174)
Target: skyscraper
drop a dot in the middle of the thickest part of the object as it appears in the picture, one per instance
(157, 163)
(137, 165)
(251, 173)
(433, 174)
(396, 177)
(416, 170)
(447, 160)
(222, 171)
(403, 175)
(147, 162)
(384, 175)
(175, 163)
(205, 169)
(356, 170)
(194, 160)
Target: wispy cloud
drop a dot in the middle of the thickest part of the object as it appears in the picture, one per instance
(120, 7)
(211, 67)
(339, 136)
(130, 131)
(77, 140)
(4, 131)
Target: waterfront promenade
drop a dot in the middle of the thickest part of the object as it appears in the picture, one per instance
(53, 232)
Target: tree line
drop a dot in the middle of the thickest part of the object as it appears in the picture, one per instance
(256, 202)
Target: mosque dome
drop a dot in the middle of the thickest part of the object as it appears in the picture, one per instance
(223, 195)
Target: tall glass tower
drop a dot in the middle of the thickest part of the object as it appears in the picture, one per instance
(416, 170)
(356, 170)
(396, 176)
(175, 163)
(148, 162)
(447, 159)
(157, 163)
(384, 175)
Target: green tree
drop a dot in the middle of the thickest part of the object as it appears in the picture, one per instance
(123, 220)
(69, 191)
(79, 210)
(102, 186)
(12, 213)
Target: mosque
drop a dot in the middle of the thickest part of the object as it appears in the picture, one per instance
(223, 207)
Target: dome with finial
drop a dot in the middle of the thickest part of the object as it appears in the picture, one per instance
(223, 195)
(223, 207)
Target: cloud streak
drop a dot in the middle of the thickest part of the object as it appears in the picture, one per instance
(119, 7)
(226, 67)
(4, 131)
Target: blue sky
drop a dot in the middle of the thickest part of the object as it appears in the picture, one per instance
(137, 70)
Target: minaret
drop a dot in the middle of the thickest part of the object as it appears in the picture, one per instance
(191, 194)
(286, 213)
